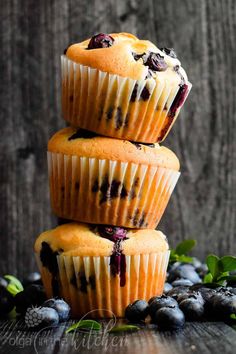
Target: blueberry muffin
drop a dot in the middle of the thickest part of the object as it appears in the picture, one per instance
(101, 268)
(119, 86)
(103, 180)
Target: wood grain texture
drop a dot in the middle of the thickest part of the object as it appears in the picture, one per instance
(34, 34)
(197, 338)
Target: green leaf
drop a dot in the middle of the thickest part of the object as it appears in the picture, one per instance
(207, 278)
(85, 324)
(14, 286)
(228, 263)
(185, 259)
(213, 266)
(184, 247)
(124, 328)
(227, 277)
(233, 316)
(12, 289)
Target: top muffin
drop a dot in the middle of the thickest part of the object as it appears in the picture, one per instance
(125, 55)
(119, 86)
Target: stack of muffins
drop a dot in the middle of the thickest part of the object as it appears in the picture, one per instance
(109, 175)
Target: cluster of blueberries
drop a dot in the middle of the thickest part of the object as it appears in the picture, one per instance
(32, 303)
(186, 298)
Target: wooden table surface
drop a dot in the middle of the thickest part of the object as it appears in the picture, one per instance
(196, 337)
(34, 35)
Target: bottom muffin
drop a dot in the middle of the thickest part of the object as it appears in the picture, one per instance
(101, 269)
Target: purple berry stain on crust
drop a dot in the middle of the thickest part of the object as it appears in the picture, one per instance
(179, 100)
(49, 260)
(177, 103)
(100, 40)
(82, 133)
(117, 259)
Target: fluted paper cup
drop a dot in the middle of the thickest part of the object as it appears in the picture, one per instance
(88, 284)
(109, 192)
(111, 105)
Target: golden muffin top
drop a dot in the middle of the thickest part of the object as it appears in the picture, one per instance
(125, 55)
(78, 239)
(82, 143)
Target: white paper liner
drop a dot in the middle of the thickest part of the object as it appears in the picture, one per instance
(102, 102)
(109, 192)
(145, 277)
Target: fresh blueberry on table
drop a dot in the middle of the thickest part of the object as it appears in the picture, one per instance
(185, 271)
(191, 294)
(137, 311)
(202, 270)
(32, 278)
(31, 295)
(40, 317)
(62, 308)
(167, 287)
(223, 304)
(193, 308)
(3, 283)
(6, 301)
(155, 303)
(181, 282)
(100, 40)
(169, 318)
(178, 291)
(196, 262)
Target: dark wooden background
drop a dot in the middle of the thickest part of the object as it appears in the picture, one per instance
(34, 34)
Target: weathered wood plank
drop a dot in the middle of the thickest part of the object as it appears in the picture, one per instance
(34, 34)
(195, 338)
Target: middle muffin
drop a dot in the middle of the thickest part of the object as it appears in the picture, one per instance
(102, 180)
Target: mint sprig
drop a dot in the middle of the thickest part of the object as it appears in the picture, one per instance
(14, 285)
(179, 253)
(219, 268)
(85, 324)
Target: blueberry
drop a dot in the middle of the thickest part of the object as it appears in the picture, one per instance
(32, 278)
(223, 304)
(196, 262)
(169, 318)
(169, 51)
(40, 317)
(31, 295)
(195, 295)
(100, 40)
(167, 287)
(202, 270)
(62, 308)
(155, 62)
(178, 291)
(6, 301)
(185, 271)
(159, 302)
(137, 311)
(192, 308)
(3, 283)
(181, 282)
